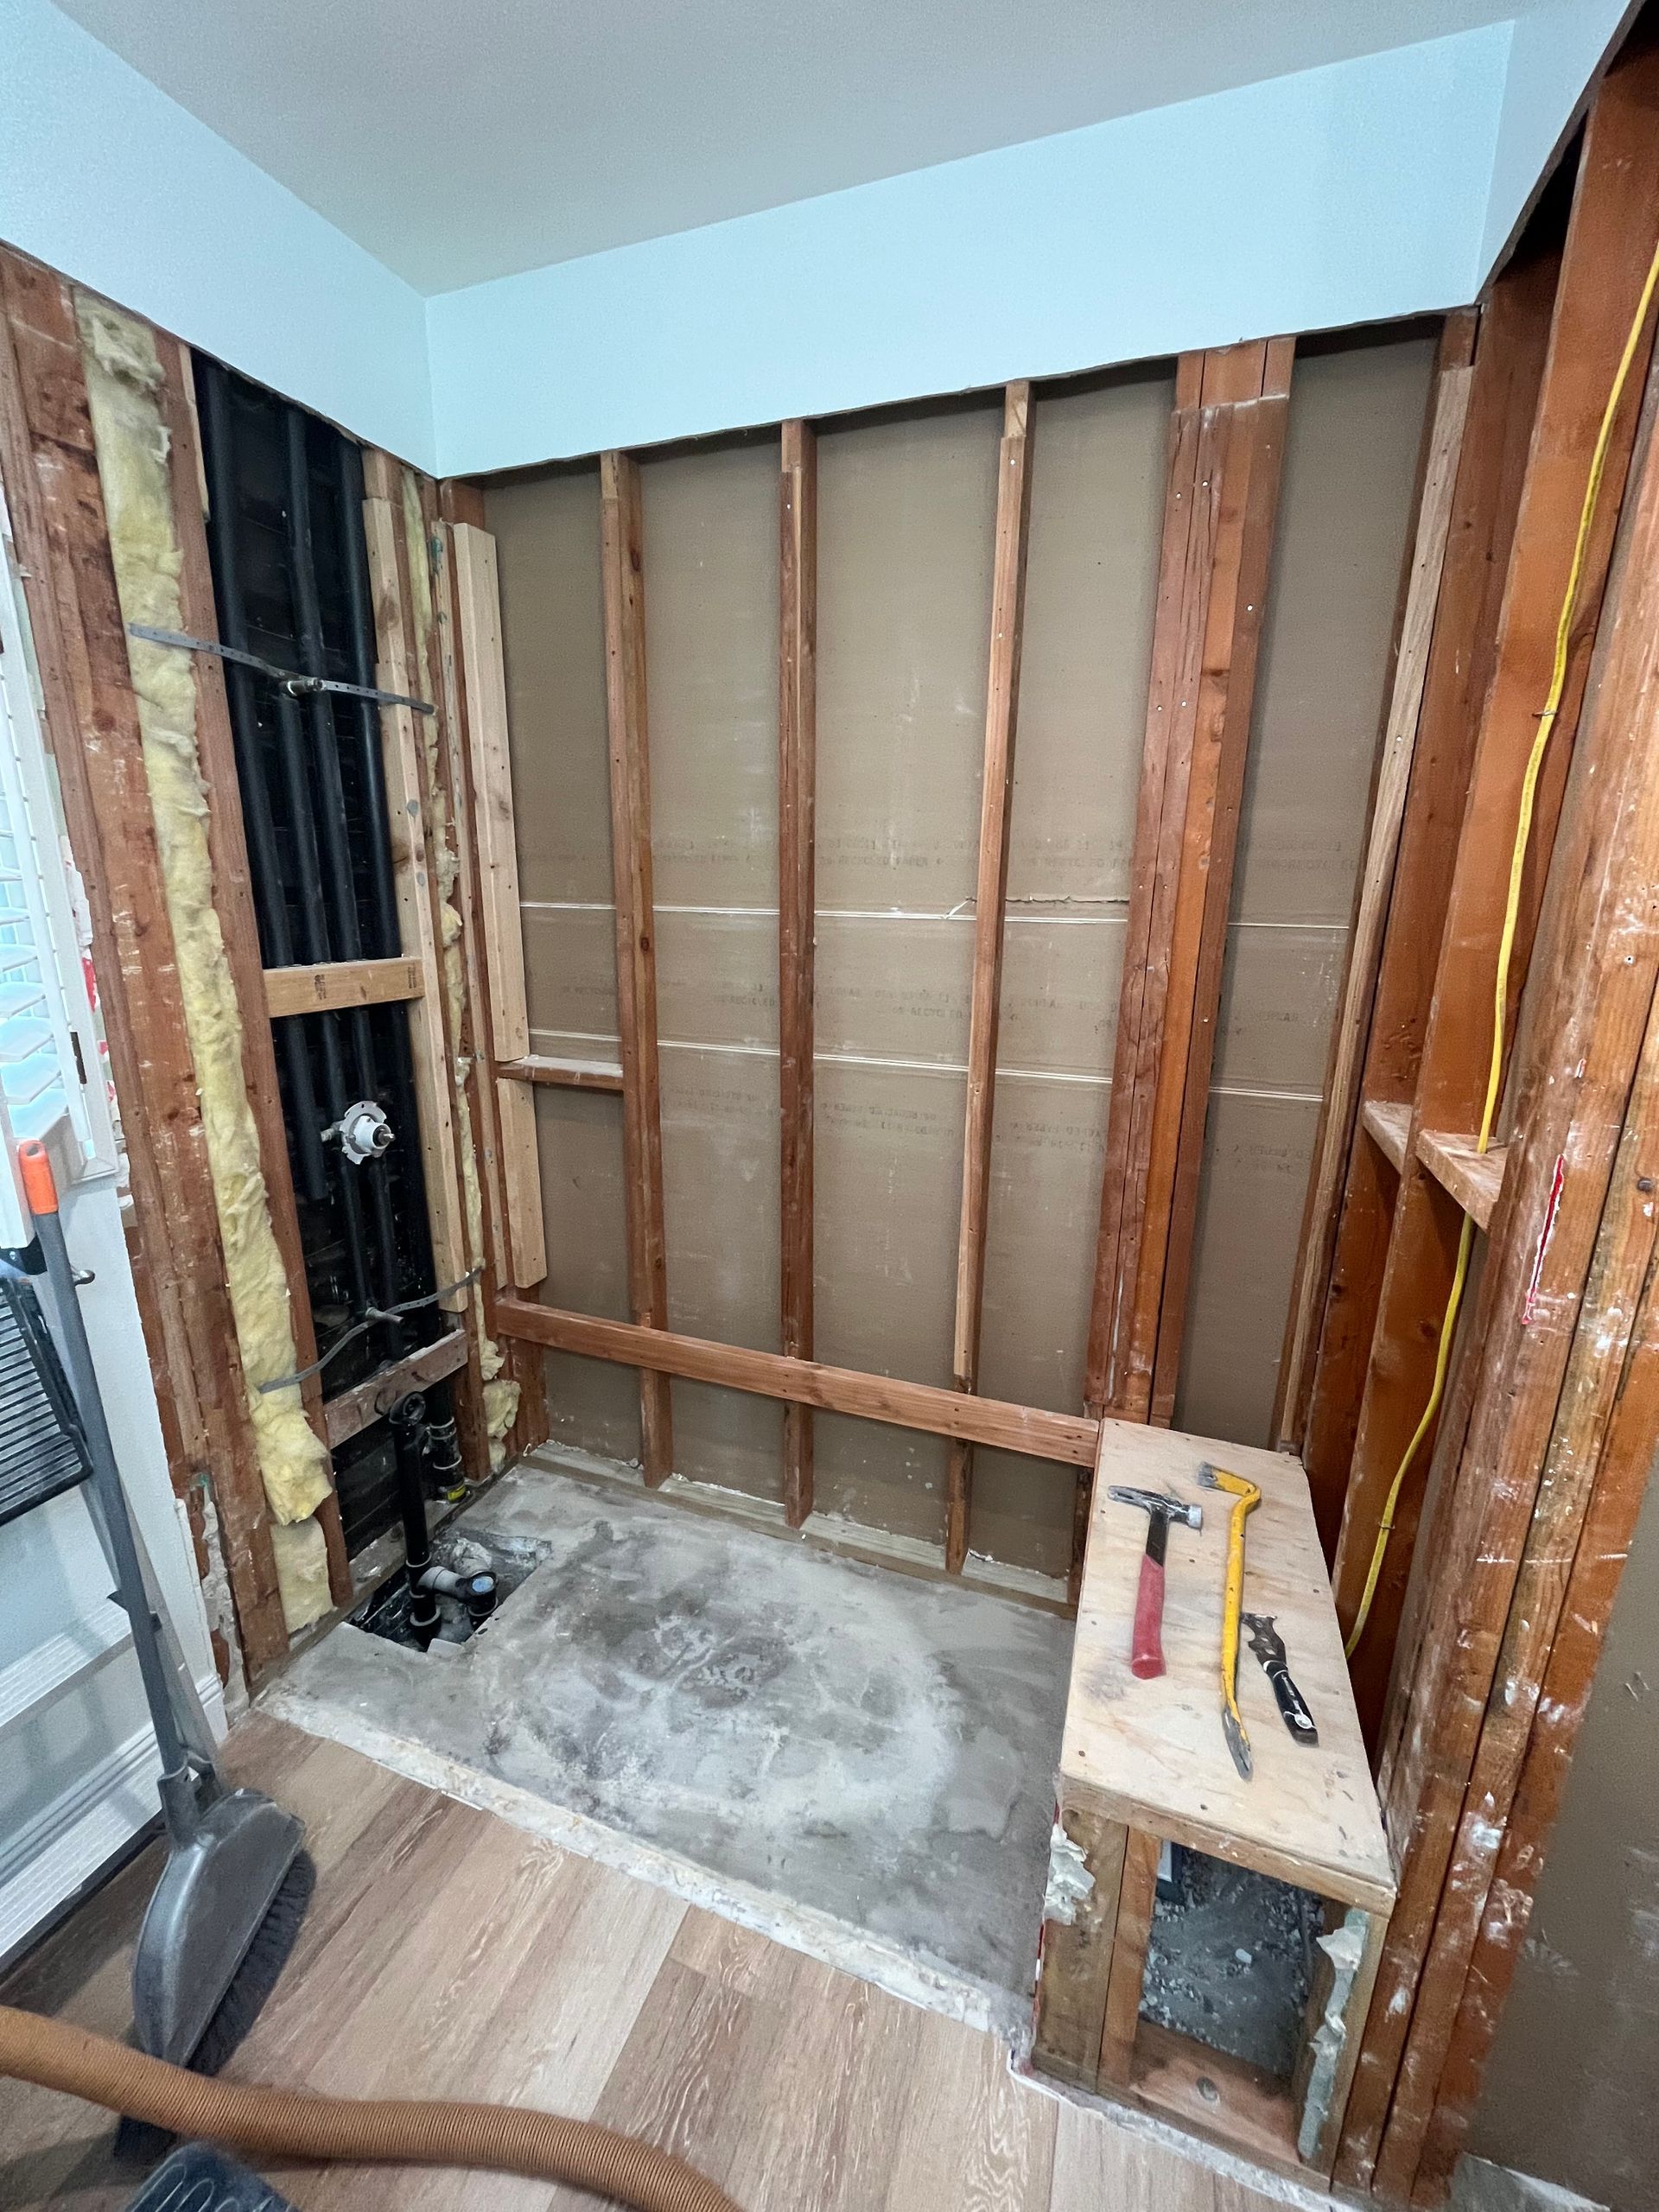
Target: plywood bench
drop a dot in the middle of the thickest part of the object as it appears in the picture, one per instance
(1146, 1762)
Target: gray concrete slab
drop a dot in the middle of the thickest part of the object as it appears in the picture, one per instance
(860, 1761)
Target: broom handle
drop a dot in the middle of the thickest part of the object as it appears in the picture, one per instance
(116, 1526)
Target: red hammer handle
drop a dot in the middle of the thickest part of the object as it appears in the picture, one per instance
(1146, 1652)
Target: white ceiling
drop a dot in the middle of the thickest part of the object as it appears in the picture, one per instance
(459, 140)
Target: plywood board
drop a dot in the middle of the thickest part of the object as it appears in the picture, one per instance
(1152, 1753)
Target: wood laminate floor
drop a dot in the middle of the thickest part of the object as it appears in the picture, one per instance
(448, 1954)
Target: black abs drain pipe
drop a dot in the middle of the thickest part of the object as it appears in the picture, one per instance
(408, 1419)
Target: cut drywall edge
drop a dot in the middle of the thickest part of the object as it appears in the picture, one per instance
(124, 378)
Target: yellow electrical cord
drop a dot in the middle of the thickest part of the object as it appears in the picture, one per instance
(1506, 941)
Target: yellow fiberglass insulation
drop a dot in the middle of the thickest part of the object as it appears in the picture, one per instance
(500, 1396)
(122, 379)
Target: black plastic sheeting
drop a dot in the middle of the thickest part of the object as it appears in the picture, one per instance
(291, 584)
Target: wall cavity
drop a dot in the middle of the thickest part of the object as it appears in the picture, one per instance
(124, 379)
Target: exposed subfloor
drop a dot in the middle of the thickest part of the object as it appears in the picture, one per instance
(853, 1759)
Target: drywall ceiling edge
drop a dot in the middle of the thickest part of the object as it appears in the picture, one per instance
(1343, 194)
(1265, 208)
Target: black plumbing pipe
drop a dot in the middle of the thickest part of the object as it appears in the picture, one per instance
(408, 1419)
(334, 837)
(270, 902)
(313, 931)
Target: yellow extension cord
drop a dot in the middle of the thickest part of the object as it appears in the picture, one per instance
(1506, 941)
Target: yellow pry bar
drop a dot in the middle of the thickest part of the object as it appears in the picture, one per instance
(1247, 1497)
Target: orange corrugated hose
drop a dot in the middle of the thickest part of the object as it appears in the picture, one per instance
(294, 2123)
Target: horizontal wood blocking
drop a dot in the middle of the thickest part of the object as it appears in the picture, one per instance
(1068, 1437)
(563, 1075)
(1473, 1177)
(1389, 1128)
(336, 983)
(368, 1401)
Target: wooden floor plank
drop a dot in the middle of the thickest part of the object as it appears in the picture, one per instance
(975, 2139)
(448, 1954)
(1097, 2163)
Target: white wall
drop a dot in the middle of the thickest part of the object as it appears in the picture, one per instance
(108, 179)
(1370, 188)
(1554, 51)
(1341, 194)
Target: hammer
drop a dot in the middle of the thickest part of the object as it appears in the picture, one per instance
(1146, 1659)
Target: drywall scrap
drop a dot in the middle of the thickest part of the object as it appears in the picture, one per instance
(124, 378)
(500, 1396)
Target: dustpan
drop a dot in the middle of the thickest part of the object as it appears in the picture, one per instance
(209, 1948)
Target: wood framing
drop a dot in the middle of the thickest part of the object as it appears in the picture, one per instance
(53, 488)
(990, 903)
(797, 625)
(1226, 453)
(1509, 361)
(1142, 1762)
(1226, 449)
(1555, 1713)
(358, 1409)
(562, 1075)
(622, 547)
(406, 798)
(1074, 1969)
(449, 506)
(1619, 1287)
(1473, 1177)
(332, 984)
(1505, 1503)
(478, 613)
(1028, 1429)
(1235, 608)
(1425, 567)
(1614, 224)
(233, 900)
(1137, 1897)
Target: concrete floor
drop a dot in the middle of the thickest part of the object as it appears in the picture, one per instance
(853, 1759)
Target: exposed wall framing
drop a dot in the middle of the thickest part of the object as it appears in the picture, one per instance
(990, 928)
(623, 531)
(797, 725)
(56, 503)
(1614, 221)
(1475, 1667)
(51, 474)
(1227, 446)
(1024, 889)
(1321, 1397)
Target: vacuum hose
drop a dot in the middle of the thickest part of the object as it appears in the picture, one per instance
(295, 2124)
